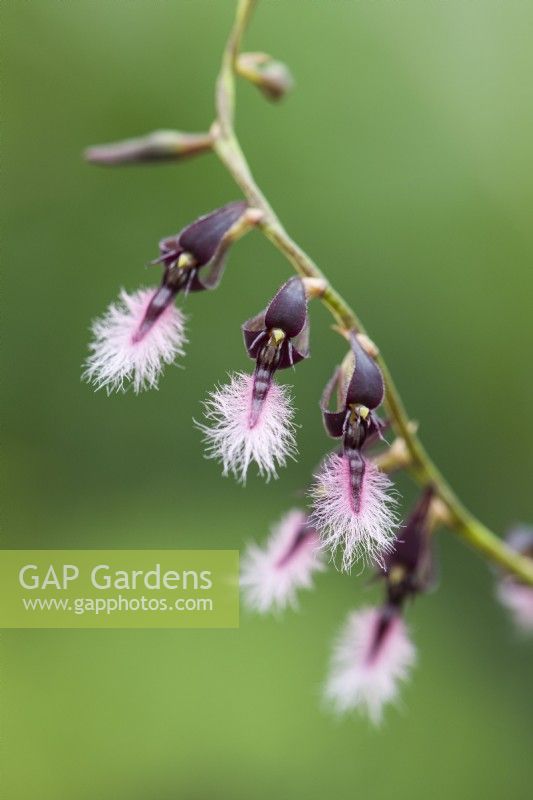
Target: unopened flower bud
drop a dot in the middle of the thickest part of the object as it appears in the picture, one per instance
(155, 147)
(272, 77)
(408, 568)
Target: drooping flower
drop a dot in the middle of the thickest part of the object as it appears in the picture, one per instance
(194, 259)
(353, 507)
(517, 597)
(372, 656)
(272, 574)
(123, 353)
(142, 332)
(251, 418)
(408, 566)
(374, 652)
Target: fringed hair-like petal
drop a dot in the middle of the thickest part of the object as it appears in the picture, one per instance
(230, 437)
(272, 574)
(372, 656)
(120, 355)
(363, 530)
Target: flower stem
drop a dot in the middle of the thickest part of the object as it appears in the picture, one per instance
(228, 149)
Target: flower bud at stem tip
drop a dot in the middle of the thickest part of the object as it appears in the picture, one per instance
(273, 78)
(158, 146)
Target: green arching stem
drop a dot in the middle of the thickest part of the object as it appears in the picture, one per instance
(228, 149)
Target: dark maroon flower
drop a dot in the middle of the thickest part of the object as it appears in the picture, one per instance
(352, 505)
(277, 338)
(285, 322)
(359, 393)
(144, 331)
(251, 418)
(195, 256)
(408, 568)
(194, 259)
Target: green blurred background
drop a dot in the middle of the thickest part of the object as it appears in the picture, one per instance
(402, 162)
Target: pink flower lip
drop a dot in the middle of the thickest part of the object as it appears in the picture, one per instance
(231, 437)
(128, 348)
(372, 656)
(365, 530)
(272, 574)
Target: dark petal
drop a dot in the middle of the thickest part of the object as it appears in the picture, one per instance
(333, 420)
(210, 275)
(412, 552)
(170, 250)
(366, 387)
(295, 350)
(291, 351)
(411, 539)
(203, 237)
(254, 333)
(375, 428)
(300, 343)
(288, 309)
(429, 572)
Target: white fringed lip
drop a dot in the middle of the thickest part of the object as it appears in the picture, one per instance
(117, 360)
(364, 534)
(229, 438)
(272, 574)
(368, 665)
